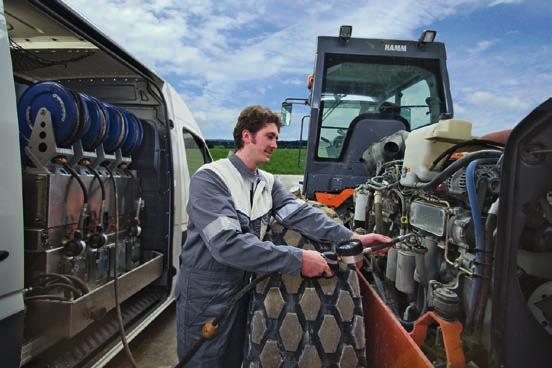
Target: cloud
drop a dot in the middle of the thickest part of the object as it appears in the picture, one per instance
(500, 2)
(224, 48)
(492, 100)
(224, 55)
(482, 46)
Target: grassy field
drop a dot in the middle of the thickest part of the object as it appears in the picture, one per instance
(283, 160)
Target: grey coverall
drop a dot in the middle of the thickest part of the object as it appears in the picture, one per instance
(217, 260)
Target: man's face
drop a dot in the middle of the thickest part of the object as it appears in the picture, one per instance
(261, 145)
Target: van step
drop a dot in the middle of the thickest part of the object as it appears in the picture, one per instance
(75, 352)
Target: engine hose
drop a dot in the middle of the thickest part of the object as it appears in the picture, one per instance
(472, 142)
(115, 277)
(457, 165)
(209, 327)
(480, 246)
(490, 226)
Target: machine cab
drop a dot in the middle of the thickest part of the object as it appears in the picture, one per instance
(364, 90)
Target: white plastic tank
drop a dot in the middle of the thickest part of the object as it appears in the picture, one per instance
(425, 144)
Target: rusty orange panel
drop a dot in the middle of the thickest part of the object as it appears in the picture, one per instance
(388, 344)
(334, 200)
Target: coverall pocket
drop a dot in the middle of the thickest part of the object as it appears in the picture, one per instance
(206, 298)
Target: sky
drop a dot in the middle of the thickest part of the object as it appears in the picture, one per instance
(224, 55)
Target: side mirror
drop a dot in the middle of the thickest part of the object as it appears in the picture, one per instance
(285, 113)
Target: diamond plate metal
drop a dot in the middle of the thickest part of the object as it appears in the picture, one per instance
(328, 285)
(348, 358)
(352, 280)
(292, 283)
(345, 306)
(329, 334)
(258, 327)
(358, 332)
(273, 302)
(291, 332)
(310, 304)
(310, 358)
(270, 356)
(292, 237)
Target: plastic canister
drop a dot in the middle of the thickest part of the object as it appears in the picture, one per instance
(423, 145)
(361, 206)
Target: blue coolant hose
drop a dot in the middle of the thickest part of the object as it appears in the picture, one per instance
(480, 246)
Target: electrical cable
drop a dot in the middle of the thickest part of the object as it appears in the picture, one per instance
(115, 277)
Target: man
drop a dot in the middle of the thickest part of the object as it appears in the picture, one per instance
(230, 204)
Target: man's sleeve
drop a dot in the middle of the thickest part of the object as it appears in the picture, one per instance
(309, 221)
(213, 213)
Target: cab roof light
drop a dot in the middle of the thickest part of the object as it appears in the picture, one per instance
(427, 36)
(345, 33)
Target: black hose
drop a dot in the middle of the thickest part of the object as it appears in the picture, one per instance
(473, 142)
(136, 181)
(79, 283)
(68, 279)
(79, 180)
(457, 165)
(84, 193)
(218, 319)
(74, 291)
(46, 296)
(490, 226)
(115, 277)
(102, 188)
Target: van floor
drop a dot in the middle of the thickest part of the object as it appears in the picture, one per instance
(155, 346)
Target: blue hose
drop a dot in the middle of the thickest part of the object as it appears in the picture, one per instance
(480, 246)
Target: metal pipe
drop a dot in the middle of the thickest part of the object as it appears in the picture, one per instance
(378, 211)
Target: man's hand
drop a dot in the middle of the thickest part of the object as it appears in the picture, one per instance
(369, 239)
(314, 264)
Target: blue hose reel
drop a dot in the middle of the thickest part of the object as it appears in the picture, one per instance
(76, 116)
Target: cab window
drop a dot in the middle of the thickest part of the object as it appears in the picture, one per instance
(403, 89)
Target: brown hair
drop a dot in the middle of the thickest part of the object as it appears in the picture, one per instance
(254, 118)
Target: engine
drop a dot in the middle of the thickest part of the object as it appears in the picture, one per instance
(445, 193)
